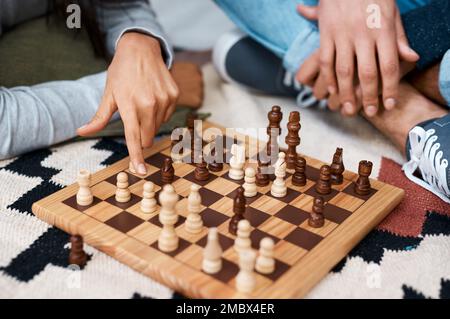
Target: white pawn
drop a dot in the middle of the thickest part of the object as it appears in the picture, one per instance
(212, 254)
(84, 194)
(148, 203)
(168, 239)
(194, 222)
(123, 194)
(279, 188)
(242, 241)
(237, 161)
(245, 280)
(265, 263)
(250, 182)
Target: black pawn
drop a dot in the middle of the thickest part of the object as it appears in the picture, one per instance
(77, 255)
(215, 165)
(316, 218)
(299, 177)
(201, 172)
(262, 176)
(238, 209)
(323, 185)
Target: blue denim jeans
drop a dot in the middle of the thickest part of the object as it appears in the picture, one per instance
(278, 26)
(444, 77)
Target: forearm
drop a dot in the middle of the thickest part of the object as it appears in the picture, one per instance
(117, 18)
(46, 114)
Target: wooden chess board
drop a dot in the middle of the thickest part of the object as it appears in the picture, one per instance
(304, 255)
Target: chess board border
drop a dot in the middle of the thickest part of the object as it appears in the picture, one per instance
(295, 283)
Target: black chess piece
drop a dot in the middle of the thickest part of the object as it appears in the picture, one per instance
(337, 167)
(201, 172)
(292, 139)
(167, 171)
(316, 218)
(362, 185)
(299, 177)
(262, 174)
(215, 164)
(323, 185)
(238, 209)
(77, 256)
(273, 130)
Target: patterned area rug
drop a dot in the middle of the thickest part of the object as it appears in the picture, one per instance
(406, 256)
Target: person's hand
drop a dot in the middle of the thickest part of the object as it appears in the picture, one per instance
(140, 86)
(310, 74)
(346, 37)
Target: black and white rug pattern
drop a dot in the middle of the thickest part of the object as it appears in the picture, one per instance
(33, 255)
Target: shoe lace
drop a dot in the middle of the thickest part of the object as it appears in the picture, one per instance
(427, 157)
(305, 97)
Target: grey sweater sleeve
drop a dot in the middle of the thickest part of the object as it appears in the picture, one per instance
(117, 18)
(42, 115)
(33, 117)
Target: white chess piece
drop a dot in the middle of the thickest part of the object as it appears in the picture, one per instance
(84, 194)
(279, 188)
(265, 263)
(250, 182)
(212, 254)
(194, 222)
(168, 239)
(123, 194)
(242, 241)
(237, 161)
(148, 202)
(245, 279)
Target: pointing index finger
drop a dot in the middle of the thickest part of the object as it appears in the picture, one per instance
(133, 138)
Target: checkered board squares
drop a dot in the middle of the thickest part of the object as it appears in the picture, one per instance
(285, 220)
(282, 219)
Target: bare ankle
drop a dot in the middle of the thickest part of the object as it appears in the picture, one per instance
(412, 109)
(427, 83)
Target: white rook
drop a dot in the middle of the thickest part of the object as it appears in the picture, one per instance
(84, 194)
